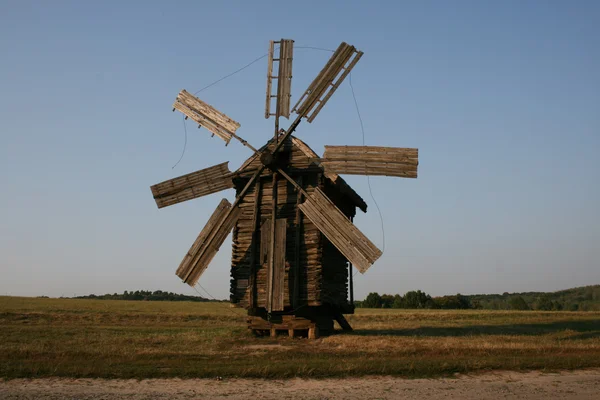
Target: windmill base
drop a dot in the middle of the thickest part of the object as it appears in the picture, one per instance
(311, 323)
(290, 325)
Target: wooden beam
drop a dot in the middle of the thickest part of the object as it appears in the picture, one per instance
(253, 246)
(296, 266)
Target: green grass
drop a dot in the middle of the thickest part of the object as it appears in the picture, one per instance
(133, 339)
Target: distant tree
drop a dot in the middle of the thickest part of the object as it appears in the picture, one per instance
(387, 300)
(373, 300)
(458, 302)
(518, 303)
(398, 301)
(417, 299)
(544, 304)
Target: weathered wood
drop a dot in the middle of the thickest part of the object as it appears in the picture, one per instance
(208, 243)
(354, 245)
(323, 86)
(372, 168)
(371, 160)
(206, 115)
(192, 185)
(185, 266)
(269, 79)
(339, 317)
(265, 242)
(284, 83)
(254, 245)
(271, 275)
(298, 234)
(278, 282)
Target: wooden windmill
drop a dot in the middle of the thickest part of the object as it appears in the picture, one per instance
(294, 242)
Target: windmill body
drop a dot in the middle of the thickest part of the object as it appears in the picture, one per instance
(294, 243)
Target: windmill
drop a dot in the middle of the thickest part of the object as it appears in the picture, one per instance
(294, 243)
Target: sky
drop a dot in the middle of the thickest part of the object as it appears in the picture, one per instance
(502, 99)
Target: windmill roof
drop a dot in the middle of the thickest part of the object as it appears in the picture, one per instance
(337, 180)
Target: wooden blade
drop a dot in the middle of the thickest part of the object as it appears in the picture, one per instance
(206, 115)
(208, 243)
(370, 160)
(342, 233)
(283, 76)
(325, 84)
(193, 185)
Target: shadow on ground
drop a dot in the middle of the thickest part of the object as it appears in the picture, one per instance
(586, 329)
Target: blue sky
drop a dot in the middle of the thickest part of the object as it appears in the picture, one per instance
(501, 98)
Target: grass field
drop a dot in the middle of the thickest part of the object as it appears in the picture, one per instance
(134, 339)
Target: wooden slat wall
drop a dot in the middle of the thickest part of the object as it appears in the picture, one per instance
(310, 249)
(206, 115)
(323, 86)
(352, 243)
(371, 160)
(193, 185)
(208, 243)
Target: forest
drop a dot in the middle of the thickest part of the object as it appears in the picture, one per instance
(585, 298)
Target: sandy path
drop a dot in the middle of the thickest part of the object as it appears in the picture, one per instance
(501, 385)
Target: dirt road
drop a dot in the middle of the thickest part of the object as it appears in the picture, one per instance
(499, 385)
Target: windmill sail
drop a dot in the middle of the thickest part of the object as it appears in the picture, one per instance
(325, 84)
(283, 76)
(371, 160)
(206, 115)
(342, 233)
(193, 185)
(208, 242)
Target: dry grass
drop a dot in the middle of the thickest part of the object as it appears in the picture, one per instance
(95, 338)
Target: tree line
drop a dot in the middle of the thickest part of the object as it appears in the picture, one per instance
(146, 295)
(577, 299)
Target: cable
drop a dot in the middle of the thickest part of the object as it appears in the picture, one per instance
(210, 85)
(231, 74)
(314, 48)
(184, 143)
(212, 297)
(362, 128)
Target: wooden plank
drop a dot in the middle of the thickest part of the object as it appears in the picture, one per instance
(298, 232)
(344, 324)
(334, 86)
(271, 269)
(265, 242)
(185, 266)
(371, 160)
(277, 303)
(206, 115)
(284, 83)
(193, 185)
(323, 86)
(269, 79)
(372, 153)
(372, 168)
(208, 243)
(314, 91)
(352, 243)
(254, 250)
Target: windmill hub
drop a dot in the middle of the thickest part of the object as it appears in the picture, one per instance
(268, 159)
(294, 243)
